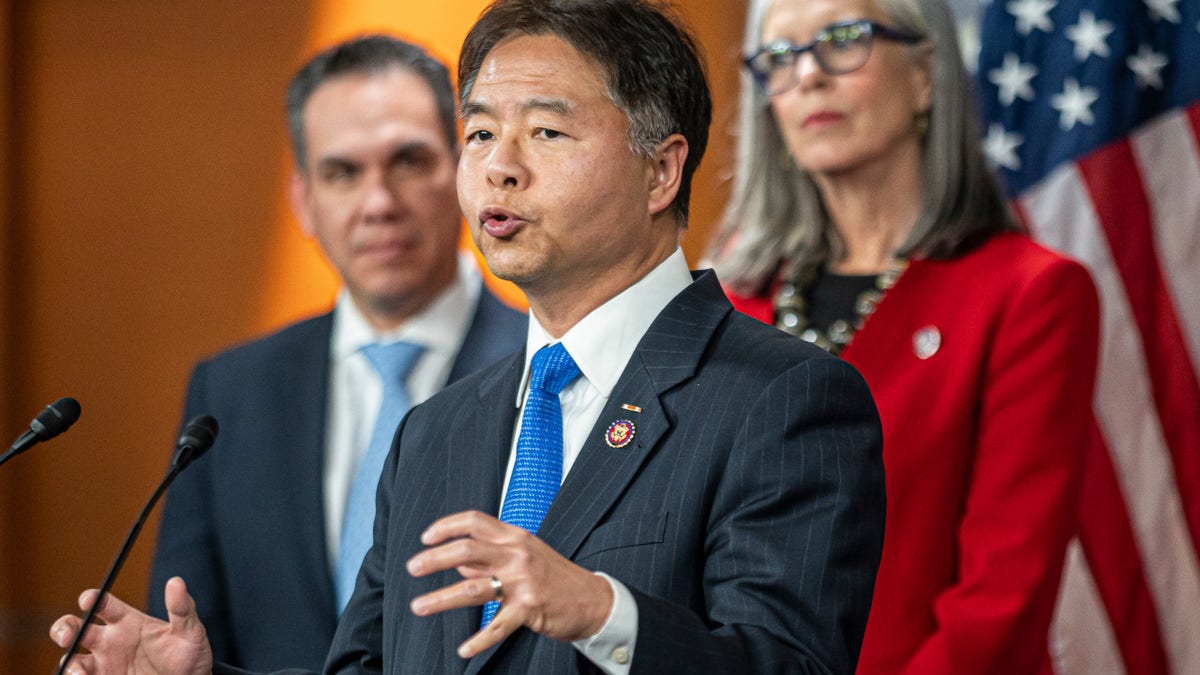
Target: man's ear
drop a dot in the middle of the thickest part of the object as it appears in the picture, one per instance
(299, 198)
(666, 172)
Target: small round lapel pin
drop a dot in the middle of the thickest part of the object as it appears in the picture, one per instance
(927, 342)
(619, 434)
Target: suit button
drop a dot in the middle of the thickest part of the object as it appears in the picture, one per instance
(620, 655)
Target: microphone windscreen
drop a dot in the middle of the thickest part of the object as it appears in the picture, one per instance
(199, 434)
(55, 418)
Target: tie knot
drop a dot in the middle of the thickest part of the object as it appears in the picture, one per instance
(394, 362)
(552, 369)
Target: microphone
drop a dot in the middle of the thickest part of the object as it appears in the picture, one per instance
(197, 437)
(49, 423)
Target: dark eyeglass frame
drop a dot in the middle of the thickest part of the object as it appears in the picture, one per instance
(869, 29)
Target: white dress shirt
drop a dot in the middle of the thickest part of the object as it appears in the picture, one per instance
(355, 390)
(601, 345)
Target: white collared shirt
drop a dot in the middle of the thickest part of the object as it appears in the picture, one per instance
(601, 344)
(355, 390)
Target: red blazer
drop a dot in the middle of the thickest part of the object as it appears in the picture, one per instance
(983, 447)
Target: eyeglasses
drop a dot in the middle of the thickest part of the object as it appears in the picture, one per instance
(838, 49)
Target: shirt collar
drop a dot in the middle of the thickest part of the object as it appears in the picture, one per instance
(603, 341)
(440, 327)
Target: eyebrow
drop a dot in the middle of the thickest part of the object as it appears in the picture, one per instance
(557, 106)
(412, 148)
(408, 148)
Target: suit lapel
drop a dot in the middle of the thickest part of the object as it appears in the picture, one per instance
(301, 443)
(600, 473)
(495, 332)
(479, 453)
(667, 355)
(477, 461)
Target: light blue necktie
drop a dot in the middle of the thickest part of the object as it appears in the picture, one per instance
(537, 471)
(394, 362)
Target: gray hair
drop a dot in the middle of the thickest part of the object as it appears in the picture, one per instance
(776, 215)
(368, 55)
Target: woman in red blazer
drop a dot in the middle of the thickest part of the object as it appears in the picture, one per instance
(865, 220)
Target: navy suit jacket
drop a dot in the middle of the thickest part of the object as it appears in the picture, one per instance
(245, 524)
(746, 515)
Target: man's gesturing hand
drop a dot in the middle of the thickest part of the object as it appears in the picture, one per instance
(551, 595)
(129, 641)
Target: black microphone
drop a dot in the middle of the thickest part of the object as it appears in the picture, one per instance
(197, 437)
(49, 423)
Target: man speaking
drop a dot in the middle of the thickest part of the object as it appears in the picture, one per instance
(656, 483)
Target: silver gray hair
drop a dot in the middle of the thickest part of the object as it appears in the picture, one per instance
(776, 215)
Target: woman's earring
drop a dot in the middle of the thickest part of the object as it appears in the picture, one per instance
(921, 123)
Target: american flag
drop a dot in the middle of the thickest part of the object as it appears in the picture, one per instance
(1092, 116)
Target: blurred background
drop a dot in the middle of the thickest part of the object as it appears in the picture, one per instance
(143, 225)
(143, 160)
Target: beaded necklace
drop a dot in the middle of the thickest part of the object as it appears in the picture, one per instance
(791, 305)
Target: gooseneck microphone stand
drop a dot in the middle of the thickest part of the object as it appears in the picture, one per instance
(198, 435)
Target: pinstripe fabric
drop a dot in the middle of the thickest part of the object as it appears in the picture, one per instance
(746, 516)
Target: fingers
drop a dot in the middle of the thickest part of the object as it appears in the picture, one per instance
(470, 556)
(181, 608)
(466, 593)
(542, 590)
(474, 543)
(502, 626)
(63, 630)
(111, 609)
(464, 524)
(81, 664)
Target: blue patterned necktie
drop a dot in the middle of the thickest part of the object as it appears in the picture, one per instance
(537, 470)
(394, 362)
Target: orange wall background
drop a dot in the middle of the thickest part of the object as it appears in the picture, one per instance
(143, 156)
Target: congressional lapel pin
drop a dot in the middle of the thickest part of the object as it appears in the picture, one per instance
(630, 407)
(619, 434)
(927, 342)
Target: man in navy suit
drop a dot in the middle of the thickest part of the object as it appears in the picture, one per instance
(254, 526)
(716, 496)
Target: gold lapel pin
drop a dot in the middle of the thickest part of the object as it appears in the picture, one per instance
(619, 434)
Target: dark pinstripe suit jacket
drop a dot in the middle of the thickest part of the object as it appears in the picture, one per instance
(746, 516)
(245, 525)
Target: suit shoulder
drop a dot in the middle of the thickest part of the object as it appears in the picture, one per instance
(1018, 266)
(1018, 256)
(308, 333)
(503, 328)
(471, 386)
(500, 316)
(752, 344)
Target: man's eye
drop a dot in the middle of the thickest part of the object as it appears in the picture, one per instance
(481, 135)
(338, 174)
(549, 134)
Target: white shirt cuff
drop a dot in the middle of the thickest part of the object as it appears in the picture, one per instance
(611, 649)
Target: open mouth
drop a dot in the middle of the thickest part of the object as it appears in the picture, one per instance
(499, 222)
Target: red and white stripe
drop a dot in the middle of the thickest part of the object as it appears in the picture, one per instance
(1130, 211)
